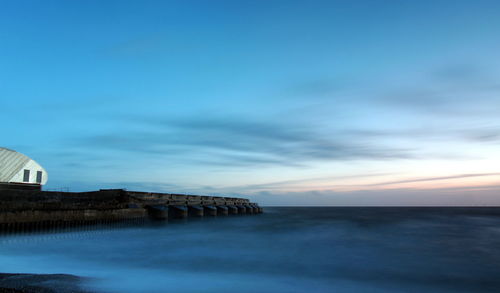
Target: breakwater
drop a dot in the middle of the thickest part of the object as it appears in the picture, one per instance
(22, 210)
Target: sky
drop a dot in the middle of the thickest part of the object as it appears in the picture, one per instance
(283, 102)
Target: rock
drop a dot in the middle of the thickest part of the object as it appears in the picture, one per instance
(32, 283)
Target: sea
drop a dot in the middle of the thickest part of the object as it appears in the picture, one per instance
(284, 250)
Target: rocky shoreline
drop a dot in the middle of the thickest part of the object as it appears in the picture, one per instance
(34, 283)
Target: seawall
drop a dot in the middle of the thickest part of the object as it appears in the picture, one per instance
(23, 210)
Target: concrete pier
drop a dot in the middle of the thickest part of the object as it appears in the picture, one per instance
(222, 210)
(157, 212)
(210, 211)
(25, 210)
(241, 209)
(249, 209)
(233, 210)
(196, 211)
(178, 212)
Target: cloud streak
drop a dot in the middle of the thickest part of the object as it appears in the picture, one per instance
(233, 141)
(429, 179)
(452, 90)
(456, 196)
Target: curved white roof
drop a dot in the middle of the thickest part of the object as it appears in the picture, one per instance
(18, 168)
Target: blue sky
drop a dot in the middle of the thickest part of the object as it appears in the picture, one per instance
(285, 102)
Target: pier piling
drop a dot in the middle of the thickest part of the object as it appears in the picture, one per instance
(195, 211)
(222, 210)
(210, 211)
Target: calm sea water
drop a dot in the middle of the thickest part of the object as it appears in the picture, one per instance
(283, 250)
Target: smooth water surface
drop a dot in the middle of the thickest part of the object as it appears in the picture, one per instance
(283, 250)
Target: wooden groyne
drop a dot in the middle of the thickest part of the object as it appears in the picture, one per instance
(22, 210)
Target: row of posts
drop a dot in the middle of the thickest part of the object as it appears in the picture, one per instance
(161, 212)
(153, 212)
(61, 225)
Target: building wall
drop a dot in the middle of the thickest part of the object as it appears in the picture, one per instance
(13, 164)
(10, 163)
(33, 167)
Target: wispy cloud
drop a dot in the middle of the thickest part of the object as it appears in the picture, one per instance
(455, 196)
(239, 141)
(484, 134)
(428, 179)
(287, 184)
(455, 89)
(335, 183)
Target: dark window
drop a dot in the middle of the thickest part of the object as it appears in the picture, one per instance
(26, 175)
(38, 177)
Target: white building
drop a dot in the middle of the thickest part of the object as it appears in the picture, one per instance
(18, 168)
